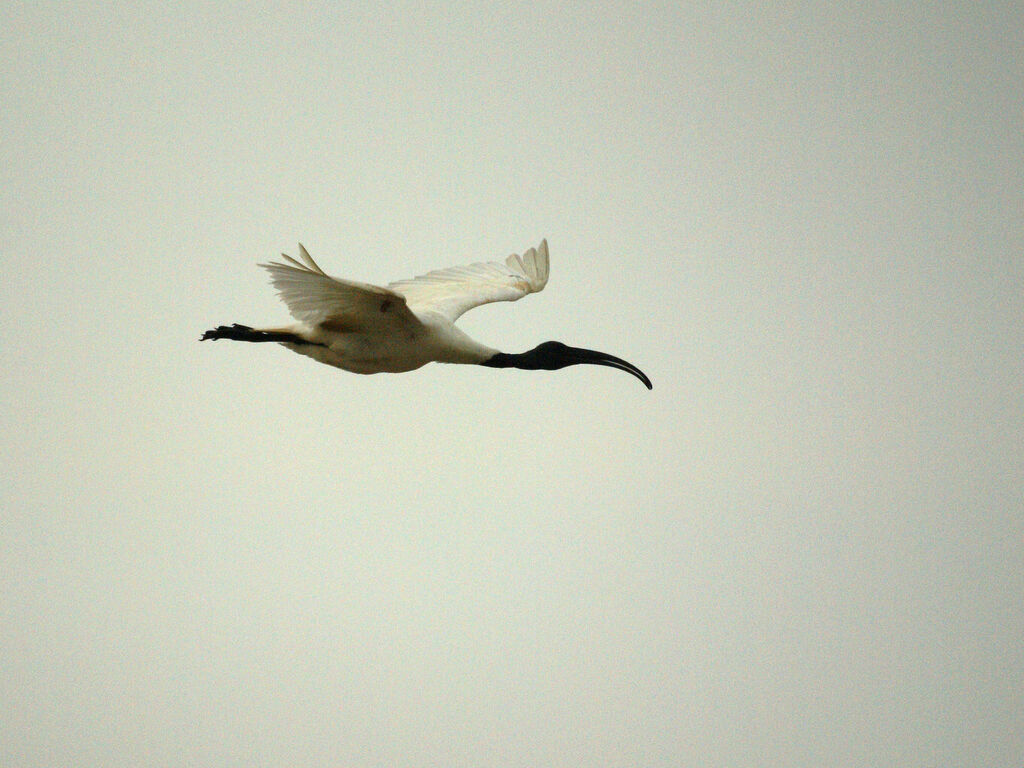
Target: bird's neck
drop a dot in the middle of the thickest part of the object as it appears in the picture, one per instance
(504, 360)
(454, 346)
(500, 359)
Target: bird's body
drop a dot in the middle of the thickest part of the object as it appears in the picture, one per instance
(369, 351)
(365, 328)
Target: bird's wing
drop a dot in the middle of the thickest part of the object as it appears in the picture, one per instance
(316, 298)
(451, 292)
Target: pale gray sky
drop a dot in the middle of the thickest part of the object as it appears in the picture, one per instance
(805, 547)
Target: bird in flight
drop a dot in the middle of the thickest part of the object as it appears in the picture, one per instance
(368, 329)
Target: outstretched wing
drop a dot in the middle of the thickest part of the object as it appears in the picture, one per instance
(316, 298)
(451, 292)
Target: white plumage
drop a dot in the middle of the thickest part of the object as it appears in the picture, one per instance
(369, 329)
(452, 292)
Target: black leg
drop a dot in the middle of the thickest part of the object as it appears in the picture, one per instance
(238, 332)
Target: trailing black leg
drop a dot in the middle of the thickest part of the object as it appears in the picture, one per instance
(238, 332)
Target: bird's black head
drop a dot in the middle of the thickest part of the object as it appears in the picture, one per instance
(552, 355)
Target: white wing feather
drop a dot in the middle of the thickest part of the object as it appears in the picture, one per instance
(453, 291)
(316, 298)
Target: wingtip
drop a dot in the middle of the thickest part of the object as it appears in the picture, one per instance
(304, 255)
(277, 265)
(306, 265)
(543, 262)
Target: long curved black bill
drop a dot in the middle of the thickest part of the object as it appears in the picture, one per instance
(594, 357)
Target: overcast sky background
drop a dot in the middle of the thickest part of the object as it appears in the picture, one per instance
(804, 547)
